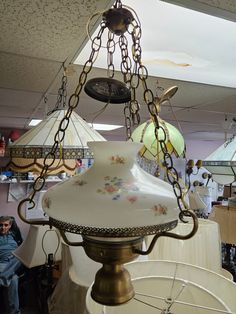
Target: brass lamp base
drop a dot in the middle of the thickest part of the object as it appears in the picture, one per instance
(112, 285)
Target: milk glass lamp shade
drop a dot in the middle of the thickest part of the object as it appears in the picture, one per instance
(113, 198)
(145, 133)
(29, 151)
(188, 288)
(222, 162)
(40, 241)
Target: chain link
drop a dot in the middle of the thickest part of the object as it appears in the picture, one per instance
(61, 96)
(111, 46)
(131, 110)
(141, 74)
(72, 104)
(128, 121)
(118, 4)
(133, 78)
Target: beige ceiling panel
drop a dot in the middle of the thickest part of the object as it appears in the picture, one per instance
(29, 74)
(8, 122)
(18, 98)
(225, 106)
(50, 29)
(195, 115)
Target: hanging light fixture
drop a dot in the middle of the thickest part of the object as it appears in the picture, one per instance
(145, 133)
(222, 162)
(28, 152)
(115, 203)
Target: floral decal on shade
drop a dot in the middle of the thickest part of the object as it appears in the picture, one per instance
(114, 185)
(47, 202)
(117, 160)
(159, 209)
(80, 182)
(132, 198)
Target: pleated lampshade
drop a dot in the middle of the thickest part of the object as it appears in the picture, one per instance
(203, 249)
(29, 151)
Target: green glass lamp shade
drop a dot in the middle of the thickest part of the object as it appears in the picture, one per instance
(145, 133)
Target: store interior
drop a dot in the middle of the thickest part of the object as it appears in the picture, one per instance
(131, 166)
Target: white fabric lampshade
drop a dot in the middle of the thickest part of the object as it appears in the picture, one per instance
(203, 288)
(78, 274)
(203, 249)
(40, 241)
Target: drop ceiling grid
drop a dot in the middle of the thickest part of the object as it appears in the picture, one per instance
(24, 73)
(46, 29)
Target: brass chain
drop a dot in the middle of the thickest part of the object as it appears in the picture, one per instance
(61, 96)
(132, 78)
(128, 121)
(118, 4)
(60, 134)
(141, 75)
(111, 46)
(131, 110)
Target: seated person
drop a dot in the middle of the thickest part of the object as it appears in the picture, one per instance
(9, 264)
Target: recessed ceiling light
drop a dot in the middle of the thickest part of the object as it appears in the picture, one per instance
(105, 127)
(34, 122)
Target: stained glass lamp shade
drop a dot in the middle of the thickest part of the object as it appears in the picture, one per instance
(145, 133)
(28, 152)
(222, 162)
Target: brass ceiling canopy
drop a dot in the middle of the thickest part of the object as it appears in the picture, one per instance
(117, 20)
(114, 212)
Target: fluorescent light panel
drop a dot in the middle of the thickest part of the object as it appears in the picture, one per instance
(34, 122)
(105, 127)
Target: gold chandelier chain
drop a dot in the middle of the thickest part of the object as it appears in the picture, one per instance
(171, 172)
(128, 121)
(59, 136)
(131, 110)
(111, 46)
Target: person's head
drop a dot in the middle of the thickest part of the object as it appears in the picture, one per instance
(5, 224)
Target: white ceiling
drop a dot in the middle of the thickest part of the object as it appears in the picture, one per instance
(38, 36)
(173, 46)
